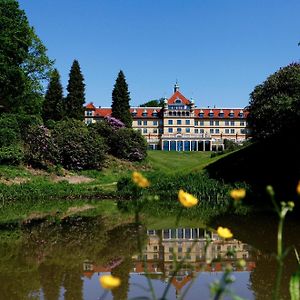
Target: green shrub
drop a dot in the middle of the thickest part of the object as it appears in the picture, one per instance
(11, 155)
(128, 144)
(8, 137)
(40, 147)
(80, 147)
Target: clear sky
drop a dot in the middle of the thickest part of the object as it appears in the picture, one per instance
(217, 49)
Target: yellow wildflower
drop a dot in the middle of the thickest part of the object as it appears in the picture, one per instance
(238, 194)
(298, 188)
(140, 180)
(109, 282)
(187, 199)
(224, 233)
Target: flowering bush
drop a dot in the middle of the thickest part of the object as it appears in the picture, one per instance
(80, 147)
(40, 148)
(114, 123)
(128, 144)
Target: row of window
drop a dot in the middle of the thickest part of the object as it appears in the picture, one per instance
(188, 122)
(188, 130)
(217, 123)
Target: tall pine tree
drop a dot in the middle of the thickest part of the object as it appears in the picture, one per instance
(53, 106)
(120, 101)
(76, 93)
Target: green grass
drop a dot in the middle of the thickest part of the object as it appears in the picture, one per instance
(183, 162)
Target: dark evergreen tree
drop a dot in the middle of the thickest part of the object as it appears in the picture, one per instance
(53, 104)
(120, 101)
(76, 93)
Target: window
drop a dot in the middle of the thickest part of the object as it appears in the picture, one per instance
(160, 130)
(217, 123)
(170, 130)
(89, 113)
(226, 130)
(201, 123)
(187, 122)
(155, 248)
(217, 130)
(144, 114)
(196, 130)
(178, 122)
(242, 123)
(201, 130)
(171, 249)
(231, 130)
(201, 115)
(145, 130)
(196, 123)
(211, 131)
(188, 130)
(231, 123)
(179, 130)
(139, 123)
(154, 123)
(145, 123)
(155, 130)
(211, 123)
(178, 101)
(89, 121)
(226, 123)
(170, 122)
(243, 131)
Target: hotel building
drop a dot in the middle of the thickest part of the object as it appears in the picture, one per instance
(181, 126)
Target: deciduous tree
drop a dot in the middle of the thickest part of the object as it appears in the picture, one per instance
(274, 107)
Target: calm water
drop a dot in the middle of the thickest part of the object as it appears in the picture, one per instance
(65, 261)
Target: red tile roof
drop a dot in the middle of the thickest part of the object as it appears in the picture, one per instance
(90, 106)
(178, 95)
(217, 112)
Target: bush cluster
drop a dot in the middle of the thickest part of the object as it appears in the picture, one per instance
(122, 142)
(68, 143)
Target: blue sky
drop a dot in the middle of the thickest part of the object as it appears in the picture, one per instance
(217, 49)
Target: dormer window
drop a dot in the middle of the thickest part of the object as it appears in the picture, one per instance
(134, 113)
(201, 114)
(241, 114)
(178, 101)
(145, 113)
(211, 114)
(231, 114)
(221, 113)
(154, 113)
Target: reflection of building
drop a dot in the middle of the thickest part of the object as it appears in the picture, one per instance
(188, 245)
(180, 125)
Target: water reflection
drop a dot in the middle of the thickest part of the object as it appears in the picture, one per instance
(65, 261)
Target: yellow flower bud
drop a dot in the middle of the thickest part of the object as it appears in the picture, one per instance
(224, 233)
(109, 282)
(187, 199)
(238, 194)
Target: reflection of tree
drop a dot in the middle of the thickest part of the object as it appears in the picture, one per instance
(73, 284)
(122, 271)
(51, 280)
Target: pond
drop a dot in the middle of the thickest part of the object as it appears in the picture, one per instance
(65, 260)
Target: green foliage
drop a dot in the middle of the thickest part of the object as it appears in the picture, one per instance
(128, 144)
(154, 103)
(40, 148)
(11, 155)
(295, 286)
(80, 148)
(76, 93)
(274, 108)
(23, 61)
(53, 106)
(120, 101)
(162, 195)
(9, 130)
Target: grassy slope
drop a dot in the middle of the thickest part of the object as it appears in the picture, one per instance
(184, 162)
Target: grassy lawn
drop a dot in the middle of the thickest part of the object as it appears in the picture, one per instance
(183, 162)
